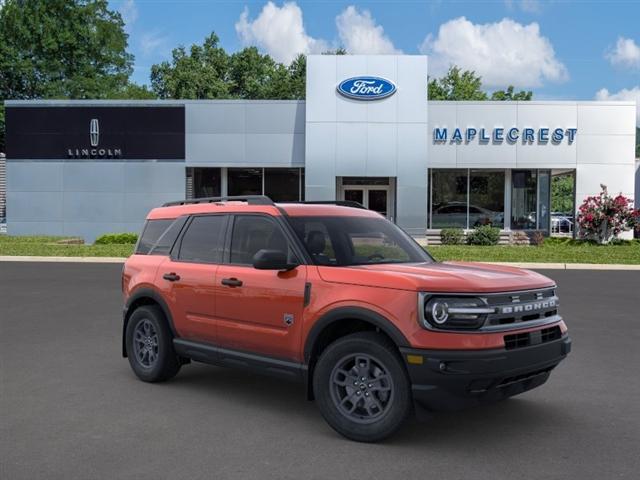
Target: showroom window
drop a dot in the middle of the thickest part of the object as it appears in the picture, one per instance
(464, 198)
(279, 184)
(469, 198)
(244, 181)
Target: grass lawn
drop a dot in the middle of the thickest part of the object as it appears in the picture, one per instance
(582, 253)
(552, 252)
(42, 246)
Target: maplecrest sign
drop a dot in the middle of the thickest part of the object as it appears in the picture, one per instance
(543, 135)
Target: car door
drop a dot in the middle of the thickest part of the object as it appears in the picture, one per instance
(259, 311)
(188, 277)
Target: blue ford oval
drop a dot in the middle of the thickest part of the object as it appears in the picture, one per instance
(366, 88)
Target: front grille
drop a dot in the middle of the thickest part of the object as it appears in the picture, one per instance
(518, 307)
(521, 340)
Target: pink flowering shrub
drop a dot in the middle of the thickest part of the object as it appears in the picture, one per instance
(603, 217)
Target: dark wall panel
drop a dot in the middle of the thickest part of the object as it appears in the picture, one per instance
(123, 132)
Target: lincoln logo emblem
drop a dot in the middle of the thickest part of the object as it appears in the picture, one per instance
(94, 132)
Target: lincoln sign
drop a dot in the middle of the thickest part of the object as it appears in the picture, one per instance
(509, 135)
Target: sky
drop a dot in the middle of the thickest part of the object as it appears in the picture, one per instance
(560, 49)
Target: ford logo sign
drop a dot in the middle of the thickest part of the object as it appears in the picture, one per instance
(366, 88)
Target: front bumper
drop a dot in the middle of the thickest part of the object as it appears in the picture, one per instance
(455, 379)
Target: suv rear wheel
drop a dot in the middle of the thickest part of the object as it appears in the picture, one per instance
(361, 387)
(150, 346)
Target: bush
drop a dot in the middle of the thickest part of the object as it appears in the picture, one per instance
(603, 217)
(117, 238)
(538, 238)
(485, 235)
(451, 236)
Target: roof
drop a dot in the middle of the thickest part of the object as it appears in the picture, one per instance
(292, 209)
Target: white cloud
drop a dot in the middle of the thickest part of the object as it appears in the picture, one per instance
(152, 42)
(360, 34)
(625, 54)
(129, 12)
(624, 94)
(278, 31)
(503, 53)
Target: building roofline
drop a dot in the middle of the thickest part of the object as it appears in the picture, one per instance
(143, 103)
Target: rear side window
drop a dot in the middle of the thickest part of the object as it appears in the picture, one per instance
(152, 231)
(203, 240)
(168, 238)
(252, 233)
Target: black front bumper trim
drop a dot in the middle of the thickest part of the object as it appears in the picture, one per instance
(454, 379)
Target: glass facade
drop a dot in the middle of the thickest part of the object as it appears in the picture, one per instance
(486, 198)
(449, 198)
(469, 198)
(279, 184)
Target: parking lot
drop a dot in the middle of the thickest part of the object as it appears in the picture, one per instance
(72, 408)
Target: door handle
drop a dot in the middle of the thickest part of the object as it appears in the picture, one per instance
(172, 277)
(231, 282)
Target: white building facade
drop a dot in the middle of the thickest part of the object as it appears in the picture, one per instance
(366, 133)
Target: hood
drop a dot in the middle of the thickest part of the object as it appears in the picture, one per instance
(459, 277)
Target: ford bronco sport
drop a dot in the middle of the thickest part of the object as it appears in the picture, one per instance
(339, 298)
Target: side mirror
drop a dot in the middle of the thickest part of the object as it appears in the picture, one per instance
(272, 260)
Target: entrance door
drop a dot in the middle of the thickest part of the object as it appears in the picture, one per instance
(374, 197)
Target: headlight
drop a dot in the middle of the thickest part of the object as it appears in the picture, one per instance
(453, 313)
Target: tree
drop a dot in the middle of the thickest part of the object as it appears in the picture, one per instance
(562, 192)
(199, 74)
(510, 95)
(458, 84)
(62, 49)
(208, 72)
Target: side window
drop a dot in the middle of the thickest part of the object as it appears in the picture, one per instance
(252, 233)
(318, 242)
(152, 231)
(168, 238)
(203, 240)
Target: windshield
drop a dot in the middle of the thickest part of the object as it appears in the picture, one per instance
(345, 241)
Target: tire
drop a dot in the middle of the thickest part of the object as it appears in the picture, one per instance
(149, 345)
(364, 411)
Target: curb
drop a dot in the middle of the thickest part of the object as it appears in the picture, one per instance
(534, 266)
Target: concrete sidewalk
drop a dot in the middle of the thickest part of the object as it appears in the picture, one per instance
(533, 266)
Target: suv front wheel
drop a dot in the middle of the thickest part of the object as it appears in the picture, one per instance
(150, 345)
(361, 387)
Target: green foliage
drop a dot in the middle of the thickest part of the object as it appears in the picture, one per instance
(460, 84)
(554, 250)
(451, 236)
(207, 72)
(510, 95)
(117, 239)
(457, 85)
(62, 49)
(484, 235)
(562, 193)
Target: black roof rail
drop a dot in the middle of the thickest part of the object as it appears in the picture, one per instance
(250, 199)
(340, 203)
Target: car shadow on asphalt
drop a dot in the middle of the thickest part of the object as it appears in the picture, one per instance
(484, 427)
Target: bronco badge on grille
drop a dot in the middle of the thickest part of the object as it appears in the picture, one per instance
(528, 307)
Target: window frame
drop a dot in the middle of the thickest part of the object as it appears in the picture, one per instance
(299, 256)
(177, 246)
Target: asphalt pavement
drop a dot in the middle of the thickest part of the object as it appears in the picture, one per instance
(70, 407)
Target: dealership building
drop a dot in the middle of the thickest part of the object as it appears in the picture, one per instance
(365, 133)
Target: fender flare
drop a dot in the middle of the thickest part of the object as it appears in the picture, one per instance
(358, 313)
(144, 292)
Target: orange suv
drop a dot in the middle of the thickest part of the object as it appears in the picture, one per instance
(337, 297)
